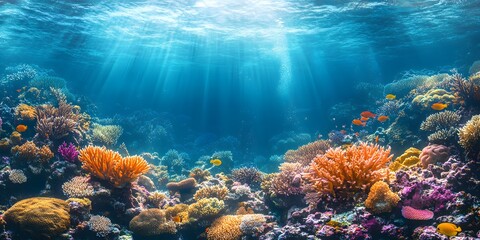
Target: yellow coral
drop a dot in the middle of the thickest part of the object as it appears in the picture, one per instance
(225, 228)
(408, 159)
(25, 112)
(82, 201)
(343, 172)
(205, 208)
(109, 165)
(39, 217)
(433, 96)
(219, 192)
(381, 199)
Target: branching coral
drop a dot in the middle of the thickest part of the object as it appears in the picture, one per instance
(77, 187)
(152, 222)
(341, 173)
(109, 165)
(470, 137)
(200, 175)
(408, 159)
(441, 120)
(106, 134)
(206, 208)
(219, 192)
(288, 181)
(381, 199)
(466, 92)
(250, 176)
(30, 152)
(306, 153)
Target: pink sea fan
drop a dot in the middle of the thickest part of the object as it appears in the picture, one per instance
(416, 214)
(434, 153)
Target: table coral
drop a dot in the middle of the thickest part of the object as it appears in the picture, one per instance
(341, 173)
(39, 217)
(381, 198)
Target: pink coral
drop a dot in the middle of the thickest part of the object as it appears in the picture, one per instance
(416, 214)
(434, 153)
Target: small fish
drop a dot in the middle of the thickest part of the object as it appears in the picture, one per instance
(382, 118)
(364, 119)
(216, 162)
(358, 122)
(439, 106)
(390, 97)
(368, 114)
(19, 90)
(376, 139)
(177, 219)
(357, 134)
(21, 128)
(448, 229)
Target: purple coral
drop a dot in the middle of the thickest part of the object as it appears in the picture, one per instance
(427, 194)
(68, 152)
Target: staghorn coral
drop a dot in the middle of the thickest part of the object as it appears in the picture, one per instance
(433, 96)
(206, 208)
(380, 198)
(439, 121)
(247, 175)
(469, 136)
(434, 153)
(200, 175)
(39, 217)
(30, 152)
(25, 112)
(306, 153)
(343, 172)
(100, 224)
(106, 134)
(219, 192)
(109, 165)
(152, 222)
(408, 159)
(288, 181)
(17, 176)
(78, 187)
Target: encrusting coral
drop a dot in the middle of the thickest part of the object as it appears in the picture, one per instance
(470, 137)
(342, 172)
(306, 153)
(381, 199)
(39, 217)
(109, 165)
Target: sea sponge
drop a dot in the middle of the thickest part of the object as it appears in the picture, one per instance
(434, 153)
(340, 173)
(152, 222)
(219, 192)
(183, 186)
(470, 137)
(206, 208)
(39, 217)
(408, 159)
(306, 153)
(25, 112)
(433, 96)
(381, 199)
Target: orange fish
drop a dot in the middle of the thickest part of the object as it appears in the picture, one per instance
(439, 106)
(382, 118)
(364, 119)
(368, 114)
(376, 139)
(21, 128)
(358, 122)
(177, 219)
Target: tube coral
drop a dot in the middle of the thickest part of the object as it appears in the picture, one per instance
(109, 165)
(340, 173)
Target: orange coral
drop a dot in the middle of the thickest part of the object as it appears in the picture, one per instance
(109, 165)
(341, 172)
(381, 199)
(306, 153)
(225, 228)
(25, 112)
(30, 152)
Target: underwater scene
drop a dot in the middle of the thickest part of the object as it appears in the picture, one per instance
(239, 119)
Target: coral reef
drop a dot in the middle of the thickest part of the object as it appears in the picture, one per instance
(288, 181)
(408, 159)
(68, 152)
(106, 134)
(381, 199)
(469, 136)
(78, 187)
(152, 222)
(433, 96)
(466, 92)
(218, 192)
(25, 112)
(38, 217)
(306, 153)
(434, 153)
(251, 176)
(206, 208)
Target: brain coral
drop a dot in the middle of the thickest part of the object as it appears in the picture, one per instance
(381, 198)
(152, 222)
(470, 136)
(407, 159)
(434, 153)
(39, 217)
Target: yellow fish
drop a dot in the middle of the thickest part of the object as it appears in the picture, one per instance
(21, 128)
(448, 229)
(439, 106)
(216, 162)
(390, 97)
